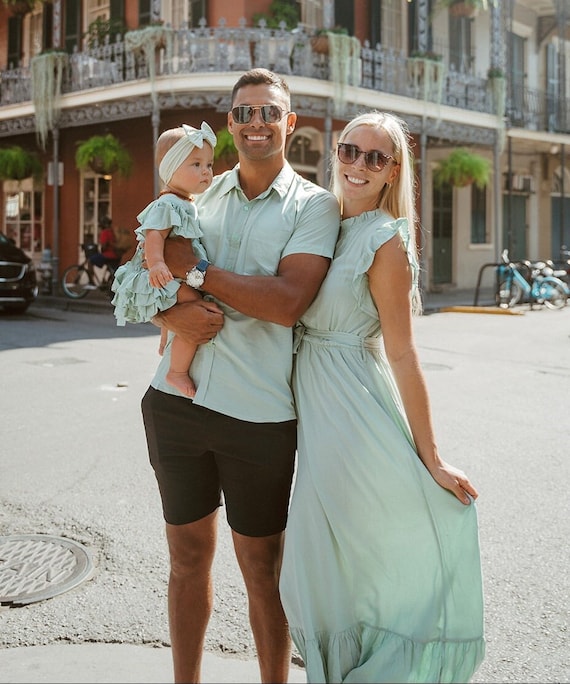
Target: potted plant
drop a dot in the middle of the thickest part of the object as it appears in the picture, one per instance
(103, 154)
(16, 163)
(465, 8)
(320, 41)
(462, 168)
(20, 7)
(279, 11)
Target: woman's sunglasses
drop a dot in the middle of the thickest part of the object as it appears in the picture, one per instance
(375, 160)
(269, 113)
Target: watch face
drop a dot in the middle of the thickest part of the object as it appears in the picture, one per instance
(195, 278)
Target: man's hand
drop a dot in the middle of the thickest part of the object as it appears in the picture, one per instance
(196, 322)
(179, 256)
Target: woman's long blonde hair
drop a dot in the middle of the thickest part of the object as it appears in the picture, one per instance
(397, 199)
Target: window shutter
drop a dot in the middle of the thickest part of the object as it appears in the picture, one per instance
(72, 26)
(144, 12)
(14, 41)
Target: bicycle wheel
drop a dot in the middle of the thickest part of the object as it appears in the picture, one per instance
(76, 282)
(509, 294)
(553, 294)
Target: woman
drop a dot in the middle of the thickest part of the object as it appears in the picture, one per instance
(381, 577)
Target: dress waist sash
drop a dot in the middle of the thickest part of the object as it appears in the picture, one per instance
(333, 338)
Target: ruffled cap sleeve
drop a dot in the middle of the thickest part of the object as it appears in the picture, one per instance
(380, 234)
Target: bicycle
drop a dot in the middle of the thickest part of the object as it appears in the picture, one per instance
(536, 288)
(80, 279)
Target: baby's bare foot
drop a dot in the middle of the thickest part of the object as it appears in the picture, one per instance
(182, 382)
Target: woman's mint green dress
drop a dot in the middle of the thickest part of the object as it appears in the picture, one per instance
(381, 577)
(135, 299)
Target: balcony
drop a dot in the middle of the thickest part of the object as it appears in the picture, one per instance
(187, 51)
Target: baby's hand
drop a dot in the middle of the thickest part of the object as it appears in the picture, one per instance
(159, 275)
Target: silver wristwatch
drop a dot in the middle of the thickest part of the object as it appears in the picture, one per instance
(195, 276)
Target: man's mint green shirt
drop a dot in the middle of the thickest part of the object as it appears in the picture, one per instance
(245, 371)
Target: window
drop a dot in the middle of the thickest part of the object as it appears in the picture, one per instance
(517, 78)
(386, 22)
(23, 216)
(96, 9)
(179, 12)
(460, 56)
(312, 14)
(479, 234)
(305, 154)
(95, 203)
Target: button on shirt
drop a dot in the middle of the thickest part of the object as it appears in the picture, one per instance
(245, 371)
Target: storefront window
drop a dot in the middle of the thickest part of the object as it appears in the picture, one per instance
(23, 216)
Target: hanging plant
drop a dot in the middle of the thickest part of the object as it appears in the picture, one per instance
(344, 64)
(462, 168)
(16, 163)
(103, 154)
(147, 41)
(47, 72)
(20, 7)
(279, 11)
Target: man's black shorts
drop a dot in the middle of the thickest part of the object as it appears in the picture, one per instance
(197, 454)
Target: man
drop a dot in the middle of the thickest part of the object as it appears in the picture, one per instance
(270, 235)
(108, 254)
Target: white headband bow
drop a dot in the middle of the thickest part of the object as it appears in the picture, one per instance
(182, 148)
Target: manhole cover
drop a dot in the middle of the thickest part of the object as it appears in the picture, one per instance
(35, 567)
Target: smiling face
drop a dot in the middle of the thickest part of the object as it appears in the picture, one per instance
(360, 186)
(258, 140)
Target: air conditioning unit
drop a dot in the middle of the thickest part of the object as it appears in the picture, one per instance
(519, 183)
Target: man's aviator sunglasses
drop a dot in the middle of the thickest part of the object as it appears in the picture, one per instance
(375, 160)
(270, 114)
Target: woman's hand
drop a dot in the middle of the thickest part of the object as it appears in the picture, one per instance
(455, 480)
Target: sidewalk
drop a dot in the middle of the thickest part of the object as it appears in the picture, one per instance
(433, 302)
(93, 663)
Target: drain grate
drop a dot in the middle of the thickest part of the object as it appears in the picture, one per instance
(36, 567)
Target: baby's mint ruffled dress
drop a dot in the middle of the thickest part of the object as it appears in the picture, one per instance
(135, 300)
(381, 577)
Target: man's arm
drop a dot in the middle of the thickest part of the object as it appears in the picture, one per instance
(281, 298)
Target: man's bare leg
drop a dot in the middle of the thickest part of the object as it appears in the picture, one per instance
(190, 593)
(260, 561)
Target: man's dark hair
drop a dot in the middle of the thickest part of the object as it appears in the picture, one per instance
(261, 77)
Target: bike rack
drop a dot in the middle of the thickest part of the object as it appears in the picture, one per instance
(479, 277)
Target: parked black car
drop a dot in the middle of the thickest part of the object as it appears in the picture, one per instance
(18, 280)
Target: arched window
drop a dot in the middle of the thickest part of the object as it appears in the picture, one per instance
(305, 154)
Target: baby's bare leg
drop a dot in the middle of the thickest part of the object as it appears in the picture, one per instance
(163, 339)
(182, 353)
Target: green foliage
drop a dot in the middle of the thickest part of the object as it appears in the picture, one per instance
(225, 146)
(279, 10)
(103, 154)
(462, 168)
(100, 28)
(16, 163)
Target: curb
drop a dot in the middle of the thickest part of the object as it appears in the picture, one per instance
(481, 309)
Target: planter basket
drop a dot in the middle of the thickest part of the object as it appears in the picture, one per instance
(463, 9)
(320, 44)
(98, 166)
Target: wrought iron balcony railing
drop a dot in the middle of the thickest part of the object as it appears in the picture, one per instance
(155, 52)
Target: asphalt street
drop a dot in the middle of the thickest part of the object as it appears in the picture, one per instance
(73, 463)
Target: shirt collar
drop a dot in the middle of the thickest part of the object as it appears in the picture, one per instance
(280, 184)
